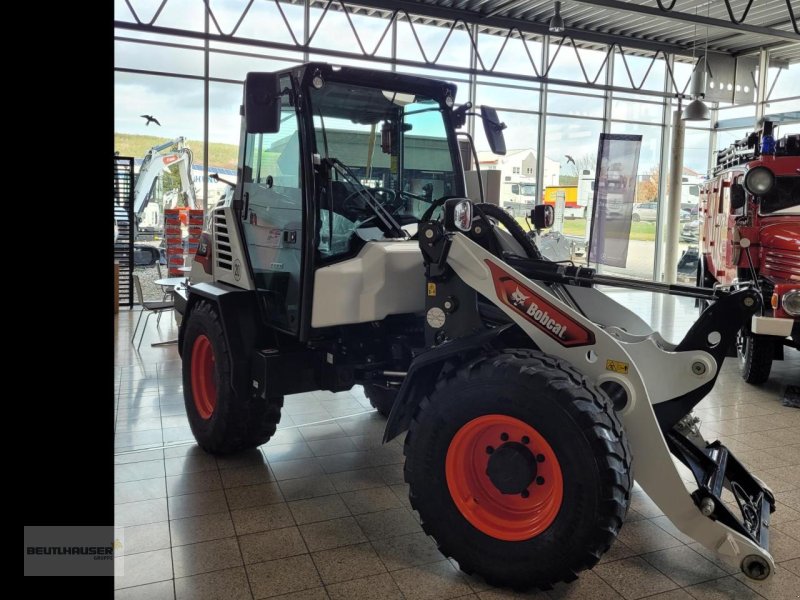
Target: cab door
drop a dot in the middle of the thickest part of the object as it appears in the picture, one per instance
(272, 215)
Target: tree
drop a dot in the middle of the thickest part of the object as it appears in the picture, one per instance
(587, 162)
(647, 189)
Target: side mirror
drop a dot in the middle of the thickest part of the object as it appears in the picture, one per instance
(543, 216)
(738, 196)
(458, 214)
(493, 129)
(386, 138)
(262, 103)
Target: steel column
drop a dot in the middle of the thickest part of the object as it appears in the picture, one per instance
(674, 204)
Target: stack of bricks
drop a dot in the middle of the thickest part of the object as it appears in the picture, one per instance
(178, 254)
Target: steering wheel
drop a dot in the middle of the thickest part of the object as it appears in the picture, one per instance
(426, 216)
(350, 205)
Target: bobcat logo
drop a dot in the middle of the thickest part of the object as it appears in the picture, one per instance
(237, 270)
(518, 298)
(538, 310)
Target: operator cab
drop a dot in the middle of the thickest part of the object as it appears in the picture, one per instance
(333, 158)
(385, 147)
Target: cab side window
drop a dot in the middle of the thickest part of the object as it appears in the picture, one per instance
(273, 197)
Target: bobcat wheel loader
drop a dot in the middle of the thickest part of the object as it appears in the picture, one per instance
(349, 254)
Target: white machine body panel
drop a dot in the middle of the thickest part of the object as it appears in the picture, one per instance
(385, 278)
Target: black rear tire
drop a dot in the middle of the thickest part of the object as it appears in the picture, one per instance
(229, 423)
(381, 398)
(755, 354)
(585, 435)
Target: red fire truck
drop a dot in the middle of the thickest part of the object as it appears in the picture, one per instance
(750, 230)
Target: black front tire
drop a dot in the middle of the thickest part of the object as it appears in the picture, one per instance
(235, 423)
(755, 354)
(574, 417)
(381, 398)
(514, 228)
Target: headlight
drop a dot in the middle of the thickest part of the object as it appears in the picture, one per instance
(759, 181)
(791, 303)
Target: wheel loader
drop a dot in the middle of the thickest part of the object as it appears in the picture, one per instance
(350, 255)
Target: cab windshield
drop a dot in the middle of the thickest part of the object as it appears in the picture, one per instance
(386, 148)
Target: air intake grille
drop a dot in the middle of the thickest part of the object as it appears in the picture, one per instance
(782, 263)
(222, 241)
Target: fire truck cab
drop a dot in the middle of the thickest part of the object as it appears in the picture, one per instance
(750, 231)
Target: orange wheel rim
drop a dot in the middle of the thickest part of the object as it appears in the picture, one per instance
(504, 477)
(204, 388)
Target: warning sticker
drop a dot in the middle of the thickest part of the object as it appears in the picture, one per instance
(617, 366)
(431, 289)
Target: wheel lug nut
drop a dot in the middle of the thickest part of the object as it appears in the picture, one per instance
(489, 449)
(540, 458)
(540, 480)
(526, 439)
(525, 493)
(504, 436)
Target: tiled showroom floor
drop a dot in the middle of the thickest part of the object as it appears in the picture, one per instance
(321, 511)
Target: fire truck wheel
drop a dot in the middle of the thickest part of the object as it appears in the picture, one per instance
(755, 356)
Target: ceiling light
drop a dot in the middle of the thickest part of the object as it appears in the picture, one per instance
(697, 110)
(557, 23)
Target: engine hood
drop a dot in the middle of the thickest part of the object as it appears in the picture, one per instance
(781, 236)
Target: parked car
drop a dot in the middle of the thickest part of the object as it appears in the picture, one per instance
(690, 231)
(687, 265)
(648, 211)
(645, 211)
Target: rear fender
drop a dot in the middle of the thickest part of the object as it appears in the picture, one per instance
(238, 313)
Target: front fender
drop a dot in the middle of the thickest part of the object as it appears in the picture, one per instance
(424, 371)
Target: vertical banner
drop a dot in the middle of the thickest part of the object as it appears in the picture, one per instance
(614, 194)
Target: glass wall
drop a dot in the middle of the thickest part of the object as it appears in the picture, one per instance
(541, 87)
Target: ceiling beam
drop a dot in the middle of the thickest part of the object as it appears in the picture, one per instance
(775, 62)
(505, 7)
(216, 37)
(714, 40)
(451, 14)
(690, 18)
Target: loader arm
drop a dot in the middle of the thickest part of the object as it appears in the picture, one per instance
(653, 384)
